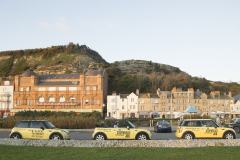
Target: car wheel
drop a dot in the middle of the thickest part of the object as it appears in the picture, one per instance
(55, 137)
(188, 136)
(16, 136)
(99, 137)
(229, 135)
(237, 130)
(142, 136)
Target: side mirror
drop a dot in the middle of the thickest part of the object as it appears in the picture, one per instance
(42, 128)
(128, 128)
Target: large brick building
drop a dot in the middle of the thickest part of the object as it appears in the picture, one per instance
(61, 92)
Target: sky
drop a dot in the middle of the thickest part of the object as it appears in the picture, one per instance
(200, 37)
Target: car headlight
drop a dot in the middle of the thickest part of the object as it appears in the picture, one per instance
(63, 132)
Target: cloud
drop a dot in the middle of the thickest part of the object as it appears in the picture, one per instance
(109, 24)
(58, 25)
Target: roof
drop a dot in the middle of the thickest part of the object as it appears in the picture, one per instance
(123, 95)
(58, 83)
(168, 93)
(145, 95)
(29, 74)
(59, 76)
(191, 110)
(93, 72)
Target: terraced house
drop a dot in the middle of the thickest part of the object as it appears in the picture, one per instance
(169, 104)
(61, 92)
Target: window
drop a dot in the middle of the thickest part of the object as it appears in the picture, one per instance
(163, 109)
(155, 108)
(62, 88)
(132, 99)
(190, 94)
(226, 108)
(218, 102)
(169, 108)
(184, 101)
(51, 88)
(5, 90)
(72, 88)
(94, 88)
(122, 100)
(41, 89)
(95, 101)
(87, 88)
(184, 108)
(178, 101)
(142, 108)
(41, 99)
(62, 99)
(163, 97)
(113, 99)
(211, 108)
(142, 101)
(29, 102)
(204, 109)
(155, 101)
(51, 99)
(22, 124)
(21, 89)
(130, 106)
(210, 102)
(218, 108)
(177, 94)
(178, 108)
(122, 106)
(27, 89)
(113, 107)
(18, 102)
(6, 82)
(163, 103)
(36, 124)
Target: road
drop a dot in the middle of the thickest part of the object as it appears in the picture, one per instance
(88, 135)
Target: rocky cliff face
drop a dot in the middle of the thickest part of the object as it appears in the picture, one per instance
(135, 66)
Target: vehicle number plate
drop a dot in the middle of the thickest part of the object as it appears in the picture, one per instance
(164, 126)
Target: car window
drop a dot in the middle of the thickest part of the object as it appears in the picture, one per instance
(208, 124)
(22, 125)
(192, 123)
(49, 125)
(37, 124)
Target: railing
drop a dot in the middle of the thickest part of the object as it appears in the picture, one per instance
(8, 101)
(58, 103)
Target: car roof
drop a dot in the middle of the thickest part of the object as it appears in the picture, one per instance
(33, 120)
(197, 120)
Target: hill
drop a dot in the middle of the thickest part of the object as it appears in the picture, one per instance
(124, 76)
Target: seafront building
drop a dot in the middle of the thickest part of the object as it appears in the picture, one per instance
(168, 104)
(79, 93)
(6, 97)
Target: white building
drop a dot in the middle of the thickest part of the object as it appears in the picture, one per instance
(6, 98)
(122, 106)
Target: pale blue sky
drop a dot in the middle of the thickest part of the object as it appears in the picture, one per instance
(201, 37)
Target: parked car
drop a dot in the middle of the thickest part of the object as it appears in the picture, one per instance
(38, 129)
(123, 130)
(162, 126)
(203, 128)
(235, 125)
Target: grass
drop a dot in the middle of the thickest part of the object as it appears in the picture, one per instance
(30, 152)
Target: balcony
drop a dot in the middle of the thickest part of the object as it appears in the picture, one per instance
(58, 103)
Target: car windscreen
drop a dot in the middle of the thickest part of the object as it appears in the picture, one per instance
(237, 121)
(131, 125)
(49, 125)
(163, 122)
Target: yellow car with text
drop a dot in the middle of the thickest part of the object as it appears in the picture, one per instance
(38, 129)
(125, 130)
(203, 128)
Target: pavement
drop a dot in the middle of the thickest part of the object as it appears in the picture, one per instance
(174, 128)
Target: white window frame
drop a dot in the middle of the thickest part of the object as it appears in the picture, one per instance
(51, 99)
(51, 88)
(41, 99)
(62, 99)
(41, 88)
(62, 88)
(72, 88)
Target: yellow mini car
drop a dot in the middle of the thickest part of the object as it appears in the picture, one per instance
(126, 130)
(203, 128)
(38, 129)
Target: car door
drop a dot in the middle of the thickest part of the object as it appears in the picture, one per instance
(210, 130)
(123, 133)
(23, 128)
(36, 132)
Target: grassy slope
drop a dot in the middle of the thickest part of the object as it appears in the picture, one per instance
(29, 152)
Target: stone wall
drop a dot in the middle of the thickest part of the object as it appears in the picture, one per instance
(122, 143)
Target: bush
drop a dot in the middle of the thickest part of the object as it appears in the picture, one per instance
(65, 120)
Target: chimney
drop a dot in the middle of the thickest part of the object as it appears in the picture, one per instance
(190, 89)
(212, 94)
(114, 93)
(137, 92)
(230, 94)
(197, 90)
(148, 95)
(158, 91)
(174, 89)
